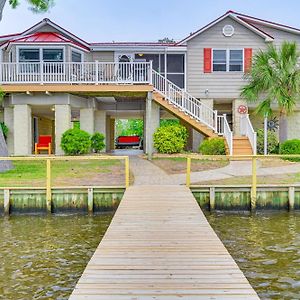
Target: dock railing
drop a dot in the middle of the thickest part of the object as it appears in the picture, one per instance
(253, 158)
(48, 186)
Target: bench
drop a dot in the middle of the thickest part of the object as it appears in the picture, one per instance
(128, 141)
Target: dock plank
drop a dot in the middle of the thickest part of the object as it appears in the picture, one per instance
(160, 246)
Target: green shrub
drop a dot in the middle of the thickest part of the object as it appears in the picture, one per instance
(75, 142)
(97, 141)
(170, 139)
(290, 147)
(4, 129)
(214, 146)
(272, 142)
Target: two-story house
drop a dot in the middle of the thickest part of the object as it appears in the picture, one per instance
(51, 77)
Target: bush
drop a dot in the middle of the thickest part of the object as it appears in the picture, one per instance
(170, 139)
(4, 129)
(290, 147)
(214, 146)
(97, 142)
(272, 142)
(75, 142)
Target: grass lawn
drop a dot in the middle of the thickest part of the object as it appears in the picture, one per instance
(65, 173)
(177, 165)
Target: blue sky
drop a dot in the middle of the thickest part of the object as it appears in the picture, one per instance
(132, 20)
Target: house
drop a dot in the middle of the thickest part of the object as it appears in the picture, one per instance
(52, 77)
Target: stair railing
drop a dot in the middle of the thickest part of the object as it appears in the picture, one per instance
(184, 101)
(247, 130)
(227, 133)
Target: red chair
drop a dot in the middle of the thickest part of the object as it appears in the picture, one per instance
(44, 143)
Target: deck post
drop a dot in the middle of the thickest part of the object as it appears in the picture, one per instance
(212, 198)
(97, 72)
(6, 201)
(90, 200)
(127, 172)
(48, 186)
(254, 185)
(188, 171)
(291, 197)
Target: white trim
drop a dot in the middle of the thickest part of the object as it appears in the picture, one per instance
(40, 48)
(227, 60)
(235, 18)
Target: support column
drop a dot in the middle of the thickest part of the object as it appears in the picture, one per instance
(236, 116)
(22, 130)
(152, 123)
(112, 133)
(100, 123)
(62, 123)
(9, 121)
(87, 120)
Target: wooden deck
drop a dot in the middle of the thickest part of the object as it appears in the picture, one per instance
(160, 246)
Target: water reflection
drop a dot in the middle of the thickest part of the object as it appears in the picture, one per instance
(266, 246)
(43, 257)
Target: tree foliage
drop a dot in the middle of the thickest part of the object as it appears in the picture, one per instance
(130, 127)
(275, 79)
(97, 140)
(166, 40)
(273, 142)
(34, 5)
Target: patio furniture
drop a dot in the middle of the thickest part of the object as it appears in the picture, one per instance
(44, 143)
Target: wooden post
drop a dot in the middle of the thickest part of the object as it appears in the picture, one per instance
(212, 198)
(90, 200)
(254, 185)
(48, 187)
(127, 172)
(6, 201)
(291, 197)
(188, 171)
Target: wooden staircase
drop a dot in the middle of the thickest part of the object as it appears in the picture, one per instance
(202, 117)
(205, 130)
(241, 146)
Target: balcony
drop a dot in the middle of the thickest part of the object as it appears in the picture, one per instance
(89, 73)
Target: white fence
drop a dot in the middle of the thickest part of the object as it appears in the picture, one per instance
(248, 131)
(84, 72)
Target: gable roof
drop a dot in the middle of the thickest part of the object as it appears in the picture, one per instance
(235, 16)
(43, 37)
(35, 28)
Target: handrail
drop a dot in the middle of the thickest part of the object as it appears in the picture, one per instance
(184, 101)
(247, 130)
(76, 72)
(228, 135)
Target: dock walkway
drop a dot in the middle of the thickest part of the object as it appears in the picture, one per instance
(160, 246)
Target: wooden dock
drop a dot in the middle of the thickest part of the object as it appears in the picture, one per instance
(160, 246)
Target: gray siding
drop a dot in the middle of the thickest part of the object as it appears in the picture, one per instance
(220, 84)
(102, 56)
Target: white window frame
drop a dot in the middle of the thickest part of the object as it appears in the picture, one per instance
(78, 52)
(40, 48)
(228, 60)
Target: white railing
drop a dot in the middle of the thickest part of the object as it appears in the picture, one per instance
(184, 101)
(224, 129)
(248, 131)
(69, 72)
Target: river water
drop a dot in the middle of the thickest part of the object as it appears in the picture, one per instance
(266, 247)
(43, 257)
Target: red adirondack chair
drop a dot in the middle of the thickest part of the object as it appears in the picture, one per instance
(44, 143)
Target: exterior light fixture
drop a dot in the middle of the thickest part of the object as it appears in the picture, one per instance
(206, 92)
(53, 108)
(141, 54)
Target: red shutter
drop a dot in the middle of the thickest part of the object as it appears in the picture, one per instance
(247, 59)
(207, 60)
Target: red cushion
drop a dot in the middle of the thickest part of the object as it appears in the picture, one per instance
(44, 140)
(128, 139)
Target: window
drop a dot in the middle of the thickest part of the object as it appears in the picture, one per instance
(219, 60)
(76, 56)
(29, 55)
(230, 60)
(53, 55)
(236, 60)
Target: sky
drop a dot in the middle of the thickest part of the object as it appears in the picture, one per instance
(132, 20)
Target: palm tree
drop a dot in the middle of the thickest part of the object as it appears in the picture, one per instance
(274, 79)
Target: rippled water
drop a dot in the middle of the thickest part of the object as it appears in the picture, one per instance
(266, 247)
(43, 257)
